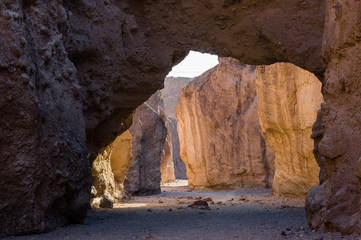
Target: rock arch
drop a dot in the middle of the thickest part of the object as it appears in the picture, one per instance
(72, 72)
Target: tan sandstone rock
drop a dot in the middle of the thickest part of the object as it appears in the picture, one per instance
(288, 100)
(109, 171)
(220, 138)
(166, 163)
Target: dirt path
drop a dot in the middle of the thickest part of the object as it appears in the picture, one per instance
(258, 215)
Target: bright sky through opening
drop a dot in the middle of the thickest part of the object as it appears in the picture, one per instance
(194, 65)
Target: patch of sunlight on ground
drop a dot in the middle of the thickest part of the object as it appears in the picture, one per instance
(131, 205)
(177, 183)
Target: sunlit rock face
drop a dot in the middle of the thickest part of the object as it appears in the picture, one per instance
(109, 171)
(148, 135)
(288, 100)
(335, 205)
(166, 163)
(220, 138)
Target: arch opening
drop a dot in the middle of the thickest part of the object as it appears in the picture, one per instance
(239, 113)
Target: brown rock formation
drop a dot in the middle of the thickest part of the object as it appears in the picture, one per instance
(220, 138)
(45, 176)
(148, 135)
(335, 205)
(288, 100)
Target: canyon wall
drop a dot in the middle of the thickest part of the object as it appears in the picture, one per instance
(335, 205)
(288, 100)
(72, 73)
(45, 178)
(148, 136)
(131, 164)
(220, 138)
(170, 95)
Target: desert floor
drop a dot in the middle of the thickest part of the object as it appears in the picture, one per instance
(238, 214)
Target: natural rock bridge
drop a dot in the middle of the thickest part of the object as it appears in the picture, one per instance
(72, 72)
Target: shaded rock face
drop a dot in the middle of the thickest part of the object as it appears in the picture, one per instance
(180, 171)
(131, 164)
(335, 205)
(220, 138)
(109, 171)
(148, 135)
(45, 176)
(288, 100)
(170, 95)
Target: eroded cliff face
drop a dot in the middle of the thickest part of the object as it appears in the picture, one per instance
(170, 95)
(132, 163)
(123, 50)
(335, 205)
(288, 100)
(148, 135)
(45, 176)
(220, 138)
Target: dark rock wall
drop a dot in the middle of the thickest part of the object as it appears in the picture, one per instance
(335, 205)
(45, 174)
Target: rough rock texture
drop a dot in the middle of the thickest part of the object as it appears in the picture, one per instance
(45, 176)
(171, 92)
(148, 135)
(288, 100)
(220, 138)
(170, 95)
(122, 50)
(109, 171)
(335, 205)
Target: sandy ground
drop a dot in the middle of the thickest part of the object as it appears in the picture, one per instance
(239, 214)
